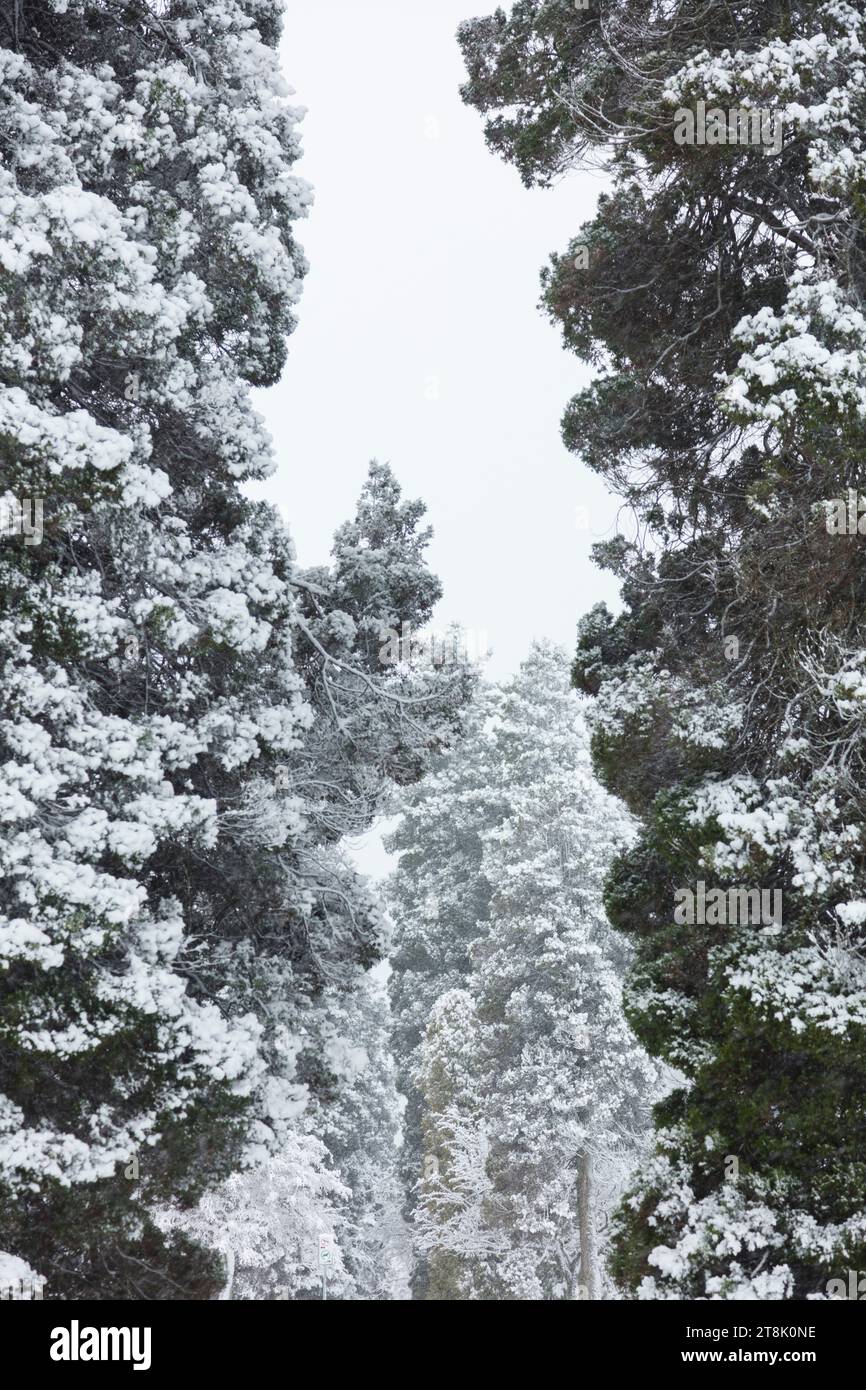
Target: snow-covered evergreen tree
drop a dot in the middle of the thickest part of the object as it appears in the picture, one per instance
(18, 1282)
(720, 292)
(149, 278)
(187, 722)
(528, 1078)
(300, 961)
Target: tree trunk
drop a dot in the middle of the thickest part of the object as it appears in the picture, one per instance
(590, 1270)
(230, 1276)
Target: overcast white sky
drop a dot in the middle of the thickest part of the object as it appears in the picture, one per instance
(420, 341)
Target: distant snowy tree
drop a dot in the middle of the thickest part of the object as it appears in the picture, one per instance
(266, 1222)
(440, 902)
(528, 1079)
(358, 1115)
(334, 1168)
(454, 1216)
